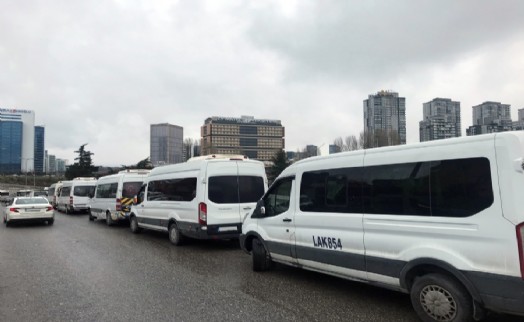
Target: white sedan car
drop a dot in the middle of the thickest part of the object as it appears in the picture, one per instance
(29, 209)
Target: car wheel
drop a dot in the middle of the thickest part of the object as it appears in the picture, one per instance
(261, 258)
(7, 223)
(66, 210)
(109, 220)
(133, 224)
(91, 217)
(175, 237)
(437, 297)
(50, 222)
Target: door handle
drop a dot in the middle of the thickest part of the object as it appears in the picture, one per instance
(286, 220)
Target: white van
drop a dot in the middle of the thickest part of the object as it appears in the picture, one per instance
(205, 197)
(441, 220)
(53, 192)
(74, 194)
(113, 195)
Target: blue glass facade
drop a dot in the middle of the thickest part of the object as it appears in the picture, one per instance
(39, 149)
(10, 146)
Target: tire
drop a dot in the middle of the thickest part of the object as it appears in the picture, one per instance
(66, 210)
(91, 218)
(50, 222)
(133, 224)
(175, 237)
(438, 297)
(261, 258)
(109, 220)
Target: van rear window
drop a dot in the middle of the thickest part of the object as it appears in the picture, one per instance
(83, 191)
(130, 189)
(235, 189)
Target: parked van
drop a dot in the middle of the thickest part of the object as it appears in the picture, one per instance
(74, 194)
(441, 220)
(114, 195)
(53, 192)
(205, 197)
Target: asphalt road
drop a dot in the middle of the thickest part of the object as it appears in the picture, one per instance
(78, 270)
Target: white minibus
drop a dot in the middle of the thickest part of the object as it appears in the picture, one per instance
(113, 195)
(205, 197)
(442, 221)
(53, 192)
(74, 194)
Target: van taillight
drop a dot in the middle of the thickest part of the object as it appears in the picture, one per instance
(520, 240)
(118, 204)
(202, 214)
(71, 200)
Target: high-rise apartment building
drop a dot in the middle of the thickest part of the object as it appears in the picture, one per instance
(166, 145)
(441, 120)
(384, 119)
(39, 153)
(17, 135)
(490, 117)
(258, 139)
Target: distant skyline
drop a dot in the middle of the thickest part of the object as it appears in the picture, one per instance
(102, 72)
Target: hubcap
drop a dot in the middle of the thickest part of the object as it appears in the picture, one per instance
(438, 303)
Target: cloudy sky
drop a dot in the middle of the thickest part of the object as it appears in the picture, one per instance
(100, 72)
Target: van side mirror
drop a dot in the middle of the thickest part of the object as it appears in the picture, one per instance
(260, 210)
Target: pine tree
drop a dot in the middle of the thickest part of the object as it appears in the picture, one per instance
(83, 167)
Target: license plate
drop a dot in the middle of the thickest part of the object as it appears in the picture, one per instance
(227, 228)
(32, 210)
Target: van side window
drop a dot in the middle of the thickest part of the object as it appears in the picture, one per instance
(443, 188)
(172, 189)
(333, 190)
(397, 189)
(277, 199)
(460, 188)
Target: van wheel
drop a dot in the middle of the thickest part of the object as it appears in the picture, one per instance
(175, 237)
(261, 258)
(437, 297)
(133, 224)
(91, 218)
(109, 220)
(66, 210)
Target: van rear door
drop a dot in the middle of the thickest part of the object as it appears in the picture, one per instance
(233, 188)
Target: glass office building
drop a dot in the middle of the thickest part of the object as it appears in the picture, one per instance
(166, 144)
(11, 136)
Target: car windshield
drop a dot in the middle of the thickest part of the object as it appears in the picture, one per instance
(30, 201)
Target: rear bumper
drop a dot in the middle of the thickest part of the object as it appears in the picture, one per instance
(30, 218)
(499, 293)
(197, 231)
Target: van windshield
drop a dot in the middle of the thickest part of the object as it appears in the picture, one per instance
(130, 189)
(83, 191)
(235, 189)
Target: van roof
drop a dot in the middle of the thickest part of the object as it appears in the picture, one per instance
(195, 165)
(219, 156)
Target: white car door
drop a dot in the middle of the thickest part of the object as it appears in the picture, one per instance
(276, 223)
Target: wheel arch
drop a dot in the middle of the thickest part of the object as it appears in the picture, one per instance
(248, 241)
(423, 266)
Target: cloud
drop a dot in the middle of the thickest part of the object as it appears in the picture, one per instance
(102, 72)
